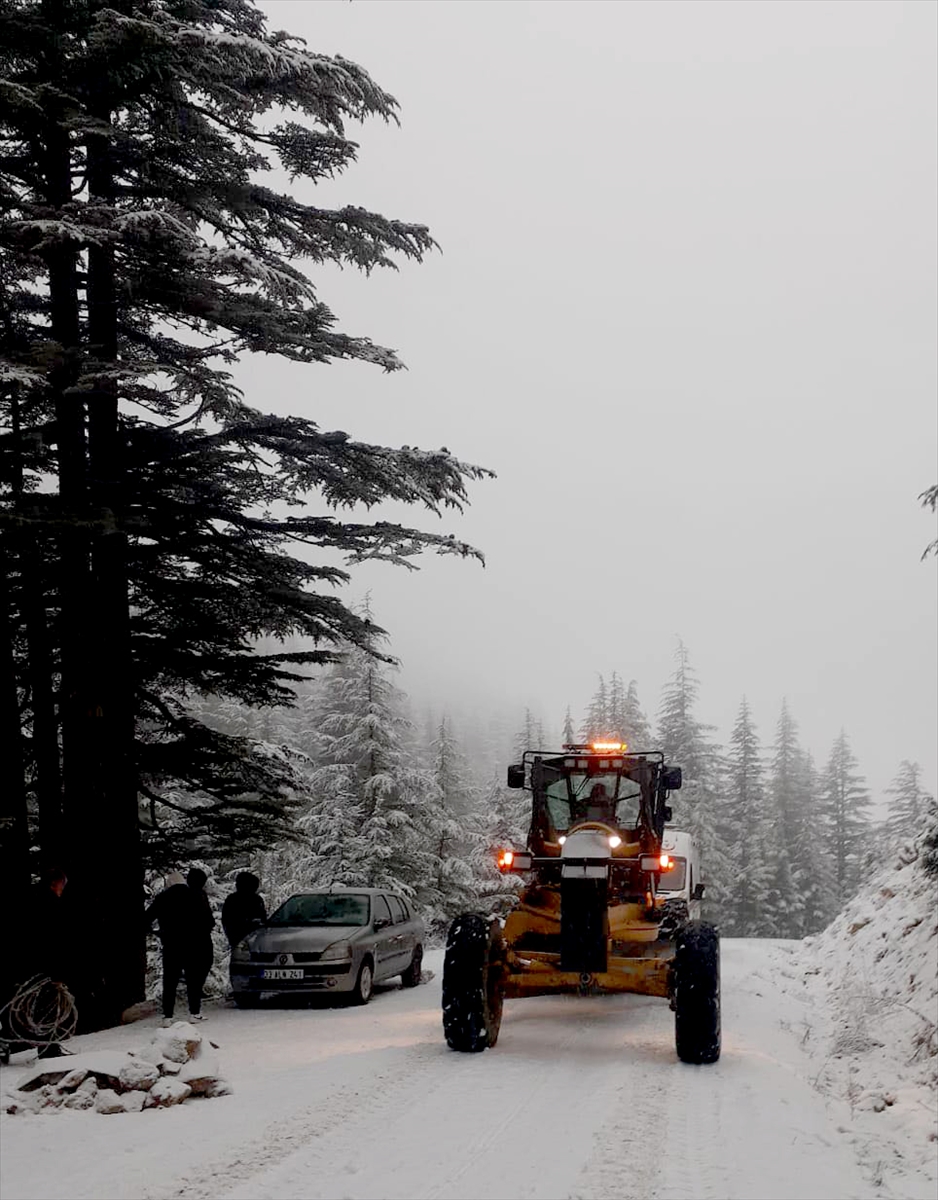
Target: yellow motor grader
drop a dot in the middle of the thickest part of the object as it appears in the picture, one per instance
(593, 916)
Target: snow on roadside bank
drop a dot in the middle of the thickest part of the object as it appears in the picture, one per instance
(874, 977)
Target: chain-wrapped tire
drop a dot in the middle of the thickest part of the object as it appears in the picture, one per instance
(473, 984)
(696, 998)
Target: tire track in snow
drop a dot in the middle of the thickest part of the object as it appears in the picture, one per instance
(521, 1122)
(364, 1095)
(403, 1107)
(624, 1161)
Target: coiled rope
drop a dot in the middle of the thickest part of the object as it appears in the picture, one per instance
(41, 1012)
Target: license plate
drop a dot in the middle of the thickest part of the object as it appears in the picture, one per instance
(295, 973)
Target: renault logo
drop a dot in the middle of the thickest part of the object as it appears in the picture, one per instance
(284, 959)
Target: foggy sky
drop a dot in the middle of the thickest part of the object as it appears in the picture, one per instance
(686, 309)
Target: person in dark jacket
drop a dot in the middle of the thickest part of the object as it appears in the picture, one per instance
(185, 919)
(244, 909)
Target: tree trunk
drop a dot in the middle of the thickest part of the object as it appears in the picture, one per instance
(45, 738)
(14, 824)
(78, 702)
(39, 661)
(113, 847)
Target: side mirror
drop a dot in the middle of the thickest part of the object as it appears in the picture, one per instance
(380, 923)
(671, 778)
(698, 892)
(516, 776)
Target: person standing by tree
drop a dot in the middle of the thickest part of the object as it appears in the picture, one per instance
(186, 923)
(244, 909)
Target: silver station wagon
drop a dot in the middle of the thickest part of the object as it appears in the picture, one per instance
(329, 941)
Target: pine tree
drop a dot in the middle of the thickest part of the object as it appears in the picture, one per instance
(529, 737)
(685, 742)
(140, 254)
(596, 723)
(818, 900)
(846, 802)
(451, 772)
(615, 707)
(457, 838)
(743, 831)
(786, 817)
(511, 807)
(782, 912)
(366, 823)
(633, 722)
(908, 804)
(569, 733)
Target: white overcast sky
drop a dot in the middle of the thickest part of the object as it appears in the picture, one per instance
(686, 309)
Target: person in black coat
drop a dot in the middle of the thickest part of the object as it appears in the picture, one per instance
(186, 923)
(244, 909)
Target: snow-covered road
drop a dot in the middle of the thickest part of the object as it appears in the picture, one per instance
(581, 1098)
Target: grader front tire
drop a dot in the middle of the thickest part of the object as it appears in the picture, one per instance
(697, 993)
(473, 988)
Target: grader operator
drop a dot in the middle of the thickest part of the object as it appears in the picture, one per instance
(591, 917)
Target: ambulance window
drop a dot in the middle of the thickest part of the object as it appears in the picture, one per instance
(673, 880)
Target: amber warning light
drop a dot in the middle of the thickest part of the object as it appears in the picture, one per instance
(660, 862)
(609, 747)
(513, 860)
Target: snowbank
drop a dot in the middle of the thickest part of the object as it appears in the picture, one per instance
(874, 974)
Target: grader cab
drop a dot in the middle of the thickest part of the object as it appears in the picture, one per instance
(592, 916)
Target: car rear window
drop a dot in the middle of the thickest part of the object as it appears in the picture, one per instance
(334, 908)
(397, 910)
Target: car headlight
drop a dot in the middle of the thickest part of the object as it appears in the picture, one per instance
(337, 950)
(241, 949)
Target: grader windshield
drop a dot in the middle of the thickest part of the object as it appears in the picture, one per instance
(617, 790)
(580, 797)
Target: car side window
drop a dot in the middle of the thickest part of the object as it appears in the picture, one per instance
(381, 910)
(397, 910)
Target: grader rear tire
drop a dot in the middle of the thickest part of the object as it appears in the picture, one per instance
(697, 993)
(473, 989)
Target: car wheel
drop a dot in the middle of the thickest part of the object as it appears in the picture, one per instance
(411, 977)
(473, 984)
(697, 993)
(363, 984)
